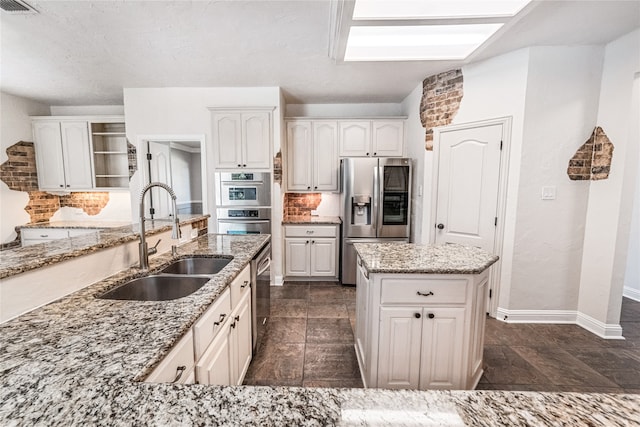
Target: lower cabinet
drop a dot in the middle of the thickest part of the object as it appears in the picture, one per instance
(219, 344)
(420, 331)
(311, 251)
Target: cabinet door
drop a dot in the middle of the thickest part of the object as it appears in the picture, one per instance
(354, 138)
(227, 138)
(76, 153)
(442, 346)
(363, 324)
(240, 338)
(387, 138)
(323, 257)
(256, 140)
(48, 148)
(297, 257)
(400, 338)
(299, 154)
(214, 367)
(477, 335)
(325, 156)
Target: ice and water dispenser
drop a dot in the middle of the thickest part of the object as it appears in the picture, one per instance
(361, 210)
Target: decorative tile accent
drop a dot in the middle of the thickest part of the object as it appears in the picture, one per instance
(277, 168)
(441, 96)
(133, 159)
(592, 161)
(301, 204)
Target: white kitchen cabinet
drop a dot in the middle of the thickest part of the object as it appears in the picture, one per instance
(371, 138)
(311, 251)
(420, 331)
(63, 155)
(32, 236)
(214, 367)
(110, 154)
(176, 367)
(242, 138)
(240, 344)
(312, 155)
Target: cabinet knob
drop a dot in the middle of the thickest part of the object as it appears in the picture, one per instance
(244, 166)
(313, 241)
(423, 294)
(61, 185)
(417, 315)
(440, 226)
(431, 315)
(307, 242)
(315, 188)
(308, 188)
(367, 154)
(239, 166)
(375, 154)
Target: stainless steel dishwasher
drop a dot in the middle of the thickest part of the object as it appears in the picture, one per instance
(260, 294)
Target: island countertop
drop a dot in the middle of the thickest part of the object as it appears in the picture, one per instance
(80, 361)
(409, 258)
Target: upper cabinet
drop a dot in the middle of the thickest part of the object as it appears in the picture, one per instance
(371, 138)
(242, 138)
(81, 153)
(63, 155)
(312, 155)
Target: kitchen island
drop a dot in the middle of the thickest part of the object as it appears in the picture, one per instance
(81, 361)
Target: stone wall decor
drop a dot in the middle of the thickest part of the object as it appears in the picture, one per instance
(592, 161)
(301, 204)
(133, 159)
(277, 168)
(441, 96)
(20, 174)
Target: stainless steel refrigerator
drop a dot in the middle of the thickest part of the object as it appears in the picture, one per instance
(375, 205)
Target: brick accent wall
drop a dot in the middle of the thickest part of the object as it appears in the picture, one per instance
(592, 161)
(277, 168)
(20, 174)
(201, 226)
(441, 96)
(301, 204)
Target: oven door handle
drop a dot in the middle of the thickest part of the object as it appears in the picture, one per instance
(244, 221)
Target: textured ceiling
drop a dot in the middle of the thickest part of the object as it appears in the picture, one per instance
(86, 52)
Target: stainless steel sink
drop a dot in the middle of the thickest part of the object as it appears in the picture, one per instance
(197, 265)
(156, 288)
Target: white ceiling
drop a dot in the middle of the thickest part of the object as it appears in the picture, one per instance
(85, 52)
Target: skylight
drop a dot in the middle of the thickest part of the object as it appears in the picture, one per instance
(435, 9)
(415, 43)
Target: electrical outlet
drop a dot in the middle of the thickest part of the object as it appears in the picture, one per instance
(549, 192)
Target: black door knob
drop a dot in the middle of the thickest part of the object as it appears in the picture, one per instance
(440, 226)
(431, 315)
(417, 315)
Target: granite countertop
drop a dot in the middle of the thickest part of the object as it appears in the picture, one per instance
(80, 360)
(311, 219)
(76, 224)
(19, 260)
(398, 257)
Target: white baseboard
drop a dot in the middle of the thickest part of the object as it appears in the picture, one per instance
(603, 330)
(536, 316)
(278, 281)
(631, 293)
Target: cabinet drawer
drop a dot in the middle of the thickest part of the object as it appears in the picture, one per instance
(176, 364)
(44, 233)
(210, 323)
(310, 231)
(421, 291)
(240, 286)
(73, 232)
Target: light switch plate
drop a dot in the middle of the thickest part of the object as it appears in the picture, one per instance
(549, 192)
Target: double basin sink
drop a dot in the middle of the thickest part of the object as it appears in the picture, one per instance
(179, 279)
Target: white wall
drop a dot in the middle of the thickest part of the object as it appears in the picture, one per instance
(184, 111)
(632, 271)
(610, 201)
(560, 114)
(118, 209)
(15, 126)
(422, 161)
(87, 110)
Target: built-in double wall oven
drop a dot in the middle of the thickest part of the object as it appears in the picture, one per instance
(243, 201)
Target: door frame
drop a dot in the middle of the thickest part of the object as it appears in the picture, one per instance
(496, 270)
(141, 147)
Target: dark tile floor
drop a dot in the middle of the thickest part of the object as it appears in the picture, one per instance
(309, 342)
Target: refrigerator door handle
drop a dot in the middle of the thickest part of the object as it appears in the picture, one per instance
(379, 200)
(375, 201)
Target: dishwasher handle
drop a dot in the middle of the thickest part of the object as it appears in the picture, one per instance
(264, 265)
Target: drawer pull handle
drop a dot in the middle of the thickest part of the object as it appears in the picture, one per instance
(309, 231)
(244, 285)
(222, 316)
(424, 295)
(237, 318)
(179, 371)
(431, 315)
(44, 235)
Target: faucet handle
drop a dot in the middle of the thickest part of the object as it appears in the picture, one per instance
(154, 249)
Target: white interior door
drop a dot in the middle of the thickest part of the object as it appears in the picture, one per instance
(468, 184)
(159, 171)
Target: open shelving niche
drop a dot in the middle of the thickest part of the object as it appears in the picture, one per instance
(110, 155)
